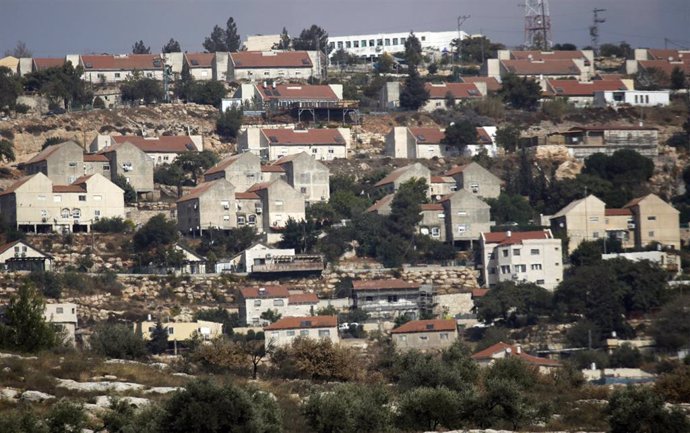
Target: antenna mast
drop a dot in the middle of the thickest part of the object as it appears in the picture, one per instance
(594, 29)
(537, 24)
(461, 20)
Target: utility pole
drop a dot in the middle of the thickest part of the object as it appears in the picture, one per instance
(461, 20)
(594, 28)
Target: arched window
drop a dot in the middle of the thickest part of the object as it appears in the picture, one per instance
(76, 212)
(64, 213)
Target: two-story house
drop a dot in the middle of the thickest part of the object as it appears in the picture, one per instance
(432, 224)
(254, 301)
(127, 160)
(20, 256)
(200, 65)
(427, 143)
(423, 335)
(655, 221)
(63, 316)
(284, 332)
(280, 202)
(584, 141)
(476, 179)
(210, 205)
(391, 183)
(162, 150)
(534, 257)
(63, 163)
(466, 217)
(275, 143)
(440, 94)
(242, 170)
(36, 204)
(259, 259)
(268, 65)
(107, 68)
(307, 175)
(388, 299)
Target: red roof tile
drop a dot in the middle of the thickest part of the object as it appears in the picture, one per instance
(129, 62)
(547, 67)
(270, 59)
(479, 293)
(458, 90)
(222, 165)
(483, 137)
(515, 350)
(199, 60)
(7, 246)
(546, 55)
(428, 135)
(259, 186)
(45, 153)
(95, 157)
(442, 179)
(198, 191)
(666, 54)
(69, 188)
(307, 137)
(581, 88)
(246, 196)
(303, 299)
(617, 212)
(492, 84)
(395, 284)
(502, 238)
(383, 201)
(270, 168)
(12, 188)
(42, 63)
(164, 143)
(269, 292)
(600, 128)
(666, 66)
(303, 323)
(298, 92)
(431, 206)
(455, 170)
(436, 325)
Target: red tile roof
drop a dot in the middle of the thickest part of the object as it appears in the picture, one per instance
(600, 128)
(12, 188)
(436, 325)
(394, 175)
(483, 137)
(69, 188)
(550, 67)
(479, 293)
(95, 157)
(199, 60)
(7, 246)
(635, 201)
(580, 88)
(666, 66)
(442, 179)
(303, 323)
(458, 90)
(666, 54)
(431, 206)
(303, 299)
(617, 212)
(259, 186)
(427, 135)
(129, 62)
(455, 170)
(546, 55)
(270, 292)
(502, 238)
(307, 137)
(383, 201)
(45, 153)
(515, 350)
(164, 143)
(198, 191)
(246, 196)
(394, 284)
(42, 63)
(492, 84)
(270, 168)
(270, 59)
(298, 92)
(222, 165)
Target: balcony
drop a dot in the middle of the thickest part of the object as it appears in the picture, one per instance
(297, 263)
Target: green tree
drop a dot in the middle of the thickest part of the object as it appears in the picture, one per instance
(206, 408)
(51, 141)
(66, 417)
(511, 208)
(312, 39)
(25, 327)
(129, 193)
(515, 304)
(159, 340)
(285, 42)
(117, 341)
(652, 79)
(172, 46)
(137, 88)
(566, 46)
(158, 234)
(508, 137)
(671, 325)
(185, 86)
(49, 283)
(413, 95)
(477, 49)
(678, 80)
(626, 356)
(301, 235)
(413, 51)
(622, 50)
(170, 174)
(520, 93)
(427, 409)
(232, 38)
(195, 163)
(229, 122)
(140, 48)
(19, 51)
(674, 386)
(216, 42)
(6, 151)
(62, 85)
(349, 408)
(208, 93)
(270, 315)
(406, 207)
(10, 89)
(459, 134)
(640, 410)
(454, 369)
(385, 63)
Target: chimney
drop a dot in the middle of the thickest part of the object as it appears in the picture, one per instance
(509, 234)
(518, 350)
(262, 291)
(593, 367)
(508, 350)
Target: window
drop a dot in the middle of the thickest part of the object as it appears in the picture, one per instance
(364, 43)
(65, 213)
(59, 310)
(57, 198)
(97, 213)
(534, 252)
(257, 302)
(395, 41)
(505, 252)
(536, 266)
(474, 187)
(371, 42)
(76, 213)
(443, 335)
(82, 197)
(72, 164)
(651, 218)
(393, 298)
(149, 75)
(303, 189)
(348, 44)
(462, 213)
(314, 150)
(402, 41)
(492, 256)
(651, 234)
(324, 333)
(369, 298)
(595, 235)
(44, 213)
(492, 271)
(278, 202)
(386, 42)
(291, 333)
(435, 232)
(424, 38)
(505, 269)
(516, 251)
(240, 220)
(594, 219)
(171, 330)
(226, 217)
(251, 220)
(379, 42)
(462, 228)
(117, 75)
(340, 44)
(646, 99)
(540, 282)
(557, 264)
(423, 337)
(520, 268)
(355, 44)
(304, 332)
(278, 303)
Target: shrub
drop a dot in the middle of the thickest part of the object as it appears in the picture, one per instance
(117, 341)
(21, 108)
(112, 225)
(98, 103)
(229, 122)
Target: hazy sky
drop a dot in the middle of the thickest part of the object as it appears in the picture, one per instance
(57, 27)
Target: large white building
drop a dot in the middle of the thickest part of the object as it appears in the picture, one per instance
(373, 45)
